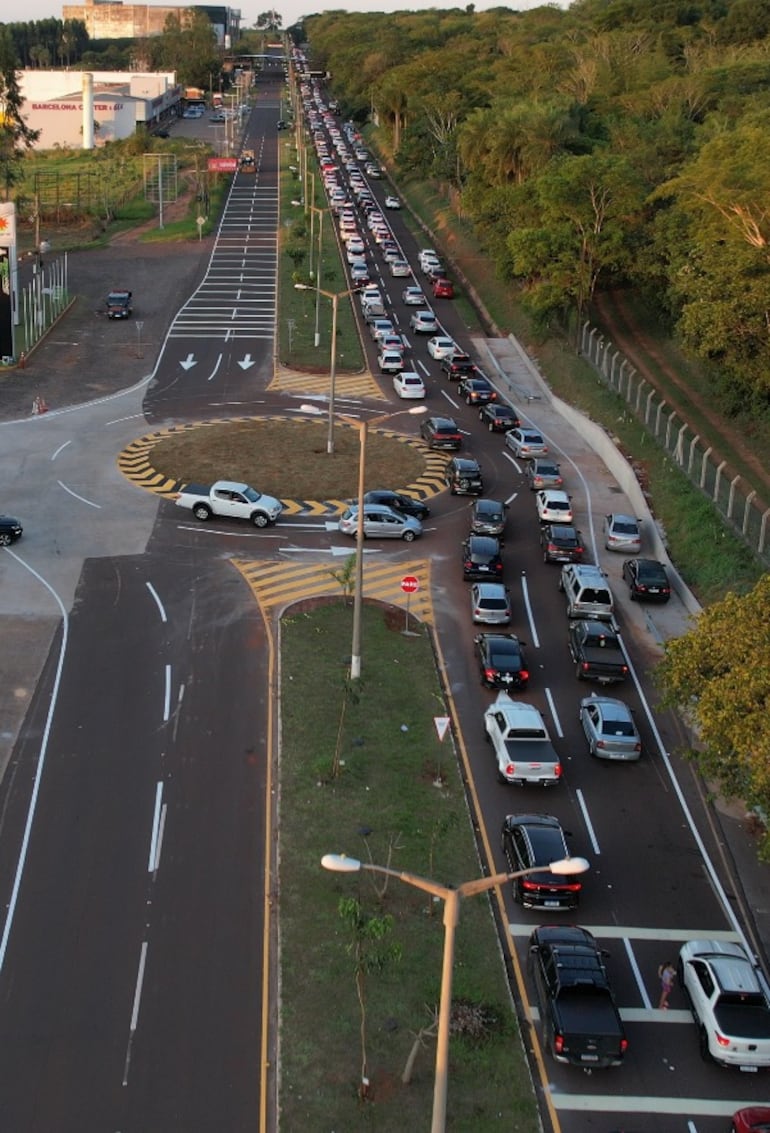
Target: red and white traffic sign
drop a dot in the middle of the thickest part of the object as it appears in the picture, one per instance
(410, 584)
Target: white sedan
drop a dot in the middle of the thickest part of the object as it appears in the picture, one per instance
(409, 384)
(553, 506)
(390, 361)
(392, 203)
(440, 346)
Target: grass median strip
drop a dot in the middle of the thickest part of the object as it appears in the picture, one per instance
(363, 773)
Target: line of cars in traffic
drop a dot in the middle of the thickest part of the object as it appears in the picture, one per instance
(582, 1025)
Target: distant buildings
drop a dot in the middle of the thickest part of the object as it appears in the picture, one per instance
(112, 19)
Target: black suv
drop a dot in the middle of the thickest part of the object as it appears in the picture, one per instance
(441, 432)
(561, 543)
(501, 661)
(463, 477)
(405, 505)
(487, 517)
(482, 558)
(533, 840)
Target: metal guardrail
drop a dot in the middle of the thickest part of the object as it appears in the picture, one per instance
(738, 503)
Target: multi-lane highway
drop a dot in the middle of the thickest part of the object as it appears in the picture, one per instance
(135, 845)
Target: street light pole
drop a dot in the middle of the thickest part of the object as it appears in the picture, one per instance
(451, 897)
(335, 297)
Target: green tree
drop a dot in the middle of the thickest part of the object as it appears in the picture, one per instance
(719, 675)
(15, 134)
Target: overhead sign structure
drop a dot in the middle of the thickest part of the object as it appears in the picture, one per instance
(222, 164)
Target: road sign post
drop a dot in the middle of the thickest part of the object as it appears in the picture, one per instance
(410, 584)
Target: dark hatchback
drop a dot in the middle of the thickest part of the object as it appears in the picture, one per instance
(405, 505)
(482, 558)
(488, 517)
(10, 530)
(441, 432)
(476, 390)
(561, 543)
(457, 366)
(530, 840)
(501, 661)
(499, 418)
(647, 580)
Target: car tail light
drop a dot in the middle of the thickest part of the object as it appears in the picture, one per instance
(527, 883)
(623, 1046)
(523, 675)
(552, 548)
(557, 771)
(499, 568)
(468, 564)
(510, 770)
(721, 1039)
(637, 747)
(584, 666)
(490, 674)
(558, 1044)
(572, 887)
(625, 669)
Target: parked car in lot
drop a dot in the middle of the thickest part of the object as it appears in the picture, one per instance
(561, 543)
(531, 841)
(441, 432)
(622, 533)
(10, 530)
(490, 604)
(380, 523)
(409, 384)
(441, 346)
(413, 296)
(543, 472)
(397, 501)
(553, 506)
(526, 443)
(610, 728)
(423, 322)
(498, 417)
(463, 476)
(476, 390)
(501, 661)
(482, 558)
(647, 580)
(488, 517)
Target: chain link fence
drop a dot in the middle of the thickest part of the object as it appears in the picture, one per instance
(739, 504)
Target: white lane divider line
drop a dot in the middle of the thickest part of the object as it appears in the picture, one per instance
(167, 696)
(587, 820)
(152, 863)
(135, 1010)
(158, 602)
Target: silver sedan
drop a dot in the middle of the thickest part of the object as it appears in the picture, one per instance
(610, 728)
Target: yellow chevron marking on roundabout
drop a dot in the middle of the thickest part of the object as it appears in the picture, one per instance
(351, 386)
(135, 463)
(278, 585)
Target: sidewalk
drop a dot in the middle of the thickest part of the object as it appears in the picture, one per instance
(510, 367)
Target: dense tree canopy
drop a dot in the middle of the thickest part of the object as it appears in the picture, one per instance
(15, 134)
(719, 674)
(615, 142)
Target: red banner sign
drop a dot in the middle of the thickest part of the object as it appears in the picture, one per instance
(222, 164)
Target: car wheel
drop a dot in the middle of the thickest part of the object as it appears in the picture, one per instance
(5, 539)
(490, 426)
(259, 519)
(703, 1044)
(469, 401)
(202, 511)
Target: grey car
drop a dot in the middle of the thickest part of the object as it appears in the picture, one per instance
(610, 728)
(490, 604)
(543, 472)
(526, 443)
(487, 517)
(622, 533)
(380, 523)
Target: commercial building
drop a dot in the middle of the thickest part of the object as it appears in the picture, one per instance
(115, 20)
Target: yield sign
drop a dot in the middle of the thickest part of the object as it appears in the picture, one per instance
(442, 725)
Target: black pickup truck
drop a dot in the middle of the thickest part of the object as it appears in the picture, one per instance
(596, 650)
(581, 1022)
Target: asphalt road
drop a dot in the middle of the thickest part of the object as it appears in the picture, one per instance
(131, 971)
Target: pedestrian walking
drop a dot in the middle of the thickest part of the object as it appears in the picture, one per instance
(666, 975)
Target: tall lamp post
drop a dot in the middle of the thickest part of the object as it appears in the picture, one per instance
(340, 863)
(358, 585)
(335, 296)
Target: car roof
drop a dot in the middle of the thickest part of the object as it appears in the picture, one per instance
(486, 544)
(611, 708)
(485, 504)
(491, 589)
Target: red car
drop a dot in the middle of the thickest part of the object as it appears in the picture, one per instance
(443, 289)
(755, 1119)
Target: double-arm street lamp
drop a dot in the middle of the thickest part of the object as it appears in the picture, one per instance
(358, 586)
(451, 898)
(335, 296)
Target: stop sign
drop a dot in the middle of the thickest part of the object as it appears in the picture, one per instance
(410, 584)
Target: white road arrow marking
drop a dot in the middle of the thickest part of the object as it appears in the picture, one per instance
(246, 362)
(189, 362)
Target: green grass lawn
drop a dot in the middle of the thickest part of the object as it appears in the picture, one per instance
(359, 775)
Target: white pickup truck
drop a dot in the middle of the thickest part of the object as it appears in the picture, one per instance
(521, 743)
(229, 500)
(730, 1003)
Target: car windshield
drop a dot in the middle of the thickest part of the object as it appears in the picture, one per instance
(624, 527)
(493, 603)
(618, 728)
(252, 495)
